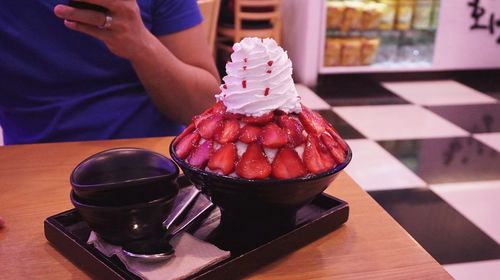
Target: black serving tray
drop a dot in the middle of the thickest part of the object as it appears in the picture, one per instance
(69, 234)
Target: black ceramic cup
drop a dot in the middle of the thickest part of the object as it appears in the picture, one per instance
(124, 176)
(246, 202)
(125, 223)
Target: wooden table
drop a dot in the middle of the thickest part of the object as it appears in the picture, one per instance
(34, 185)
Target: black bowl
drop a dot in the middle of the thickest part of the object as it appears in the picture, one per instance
(269, 199)
(122, 224)
(124, 176)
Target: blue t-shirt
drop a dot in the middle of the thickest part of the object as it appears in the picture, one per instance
(57, 84)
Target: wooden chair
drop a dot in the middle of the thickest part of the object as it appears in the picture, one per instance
(252, 18)
(210, 12)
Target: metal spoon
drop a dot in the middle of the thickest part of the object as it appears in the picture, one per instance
(159, 248)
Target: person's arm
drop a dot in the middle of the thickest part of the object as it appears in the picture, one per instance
(177, 70)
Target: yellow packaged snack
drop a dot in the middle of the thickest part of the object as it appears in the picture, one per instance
(352, 15)
(404, 14)
(369, 47)
(351, 49)
(335, 14)
(332, 51)
(422, 14)
(388, 14)
(372, 13)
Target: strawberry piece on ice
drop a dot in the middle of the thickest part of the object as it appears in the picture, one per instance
(316, 157)
(312, 121)
(208, 126)
(287, 164)
(217, 109)
(199, 157)
(333, 146)
(293, 129)
(186, 144)
(249, 133)
(223, 159)
(185, 132)
(336, 136)
(253, 163)
(272, 136)
(227, 132)
(260, 120)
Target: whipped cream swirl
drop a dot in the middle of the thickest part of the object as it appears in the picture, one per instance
(259, 79)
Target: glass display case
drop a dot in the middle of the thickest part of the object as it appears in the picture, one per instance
(365, 34)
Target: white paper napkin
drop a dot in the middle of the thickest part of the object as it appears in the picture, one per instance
(191, 255)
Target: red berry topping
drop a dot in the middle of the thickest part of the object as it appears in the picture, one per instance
(186, 144)
(336, 136)
(316, 156)
(269, 71)
(266, 92)
(208, 126)
(260, 120)
(199, 157)
(293, 129)
(218, 108)
(253, 163)
(223, 159)
(270, 63)
(312, 121)
(249, 133)
(244, 83)
(224, 86)
(287, 164)
(228, 131)
(185, 132)
(245, 60)
(338, 153)
(272, 136)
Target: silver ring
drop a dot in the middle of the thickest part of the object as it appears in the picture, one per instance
(107, 22)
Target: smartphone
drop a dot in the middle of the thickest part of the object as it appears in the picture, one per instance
(87, 6)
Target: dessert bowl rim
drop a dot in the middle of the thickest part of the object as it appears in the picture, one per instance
(124, 183)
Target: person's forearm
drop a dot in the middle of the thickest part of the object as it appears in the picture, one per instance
(178, 89)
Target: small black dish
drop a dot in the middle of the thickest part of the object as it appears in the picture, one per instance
(124, 176)
(122, 224)
(246, 202)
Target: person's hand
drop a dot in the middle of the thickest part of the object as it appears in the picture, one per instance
(121, 28)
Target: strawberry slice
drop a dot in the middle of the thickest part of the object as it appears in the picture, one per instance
(312, 121)
(186, 144)
(208, 126)
(336, 150)
(199, 118)
(217, 109)
(260, 120)
(227, 132)
(199, 157)
(185, 132)
(316, 157)
(293, 129)
(249, 133)
(223, 159)
(253, 163)
(287, 164)
(272, 136)
(336, 136)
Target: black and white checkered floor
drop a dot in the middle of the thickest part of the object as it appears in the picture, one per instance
(429, 153)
